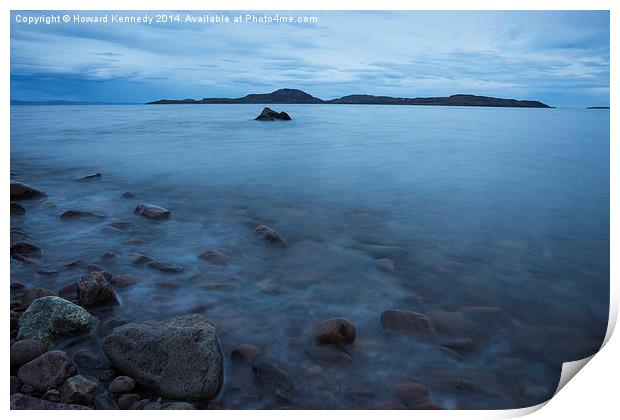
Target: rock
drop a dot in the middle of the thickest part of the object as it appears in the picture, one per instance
(49, 318)
(179, 358)
(139, 405)
(153, 405)
(270, 235)
(15, 384)
(104, 401)
(461, 345)
(152, 212)
(269, 114)
(388, 405)
(26, 389)
(70, 292)
(48, 370)
(23, 351)
(328, 354)
(139, 259)
(107, 375)
(121, 384)
(178, 405)
(429, 405)
(89, 177)
(75, 214)
(164, 267)
(21, 191)
(90, 360)
(25, 402)
(94, 289)
(408, 322)
(78, 390)
(385, 264)
(17, 209)
(121, 226)
(334, 331)
(245, 353)
(409, 392)
(25, 250)
(451, 322)
(272, 376)
(126, 400)
(128, 195)
(215, 257)
(52, 394)
(124, 281)
(33, 294)
(107, 255)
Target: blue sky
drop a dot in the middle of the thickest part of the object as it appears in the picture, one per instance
(558, 57)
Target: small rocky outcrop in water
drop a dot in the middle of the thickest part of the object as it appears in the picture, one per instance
(152, 212)
(270, 235)
(269, 114)
(334, 331)
(96, 175)
(79, 214)
(407, 322)
(51, 317)
(21, 191)
(183, 360)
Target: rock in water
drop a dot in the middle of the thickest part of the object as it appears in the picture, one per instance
(94, 289)
(269, 114)
(334, 331)
(179, 358)
(48, 370)
(79, 214)
(215, 256)
(270, 235)
(272, 376)
(17, 209)
(21, 191)
(407, 322)
(96, 175)
(152, 212)
(51, 317)
(26, 402)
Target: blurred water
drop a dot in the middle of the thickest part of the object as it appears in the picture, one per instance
(477, 207)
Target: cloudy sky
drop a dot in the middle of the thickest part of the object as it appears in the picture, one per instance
(561, 58)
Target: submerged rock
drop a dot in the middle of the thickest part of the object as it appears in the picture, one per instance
(269, 114)
(48, 370)
(122, 281)
(25, 402)
(272, 376)
(164, 267)
(152, 212)
(21, 191)
(215, 256)
(96, 175)
(408, 322)
(461, 345)
(328, 354)
(451, 321)
(79, 214)
(244, 353)
(334, 331)
(17, 209)
(409, 391)
(179, 358)
(25, 250)
(269, 234)
(94, 289)
(50, 318)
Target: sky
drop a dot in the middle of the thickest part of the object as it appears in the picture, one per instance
(558, 57)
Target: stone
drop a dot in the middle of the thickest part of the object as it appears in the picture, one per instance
(178, 405)
(33, 294)
(385, 264)
(26, 389)
(95, 290)
(461, 345)
(164, 267)
(269, 235)
(122, 281)
(388, 405)
(89, 177)
(428, 405)
(107, 255)
(328, 354)
(50, 318)
(25, 251)
(245, 353)
(52, 394)
(78, 390)
(451, 321)
(128, 195)
(70, 292)
(21, 191)
(79, 214)
(179, 358)
(272, 376)
(48, 370)
(15, 384)
(409, 392)
(26, 402)
(122, 384)
(17, 209)
(152, 212)
(334, 331)
(139, 405)
(215, 257)
(153, 405)
(407, 322)
(127, 400)
(23, 351)
(269, 114)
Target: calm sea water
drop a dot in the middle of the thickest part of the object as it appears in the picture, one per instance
(494, 207)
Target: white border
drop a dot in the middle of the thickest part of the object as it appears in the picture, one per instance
(594, 394)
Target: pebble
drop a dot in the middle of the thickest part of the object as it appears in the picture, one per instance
(122, 384)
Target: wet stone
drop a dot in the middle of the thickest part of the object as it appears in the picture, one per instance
(121, 384)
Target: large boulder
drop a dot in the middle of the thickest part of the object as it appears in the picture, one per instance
(50, 318)
(48, 370)
(334, 331)
(94, 289)
(269, 114)
(406, 322)
(26, 402)
(152, 212)
(21, 191)
(179, 358)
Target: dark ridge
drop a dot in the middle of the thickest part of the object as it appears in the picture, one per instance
(296, 96)
(597, 107)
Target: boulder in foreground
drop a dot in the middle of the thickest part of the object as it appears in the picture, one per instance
(50, 318)
(269, 114)
(179, 358)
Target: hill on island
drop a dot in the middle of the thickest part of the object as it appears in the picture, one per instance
(296, 96)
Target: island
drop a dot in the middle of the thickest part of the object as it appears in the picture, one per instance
(296, 96)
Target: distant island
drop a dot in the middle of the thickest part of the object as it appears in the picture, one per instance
(597, 107)
(63, 102)
(296, 96)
